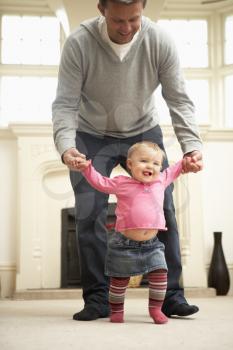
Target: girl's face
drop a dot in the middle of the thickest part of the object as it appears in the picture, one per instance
(145, 164)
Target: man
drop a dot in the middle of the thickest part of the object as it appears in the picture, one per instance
(110, 68)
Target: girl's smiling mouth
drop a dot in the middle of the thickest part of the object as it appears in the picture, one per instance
(147, 173)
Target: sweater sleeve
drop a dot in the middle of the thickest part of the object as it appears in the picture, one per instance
(171, 173)
(100, 182)
(181, 108)
(65, 106)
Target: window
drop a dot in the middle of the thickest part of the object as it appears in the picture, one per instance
(191, 39)
(198, 91)
(26, 98)
(30, 40)
(227, 71)
(30, 52)
(228, 57)
(228, 101)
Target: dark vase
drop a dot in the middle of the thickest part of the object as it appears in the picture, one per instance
(218, 276)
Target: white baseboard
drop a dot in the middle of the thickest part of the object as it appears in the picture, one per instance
(8, 275)
(7, 280)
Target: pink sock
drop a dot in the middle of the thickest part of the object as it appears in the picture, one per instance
(158, 316)
(117, 317)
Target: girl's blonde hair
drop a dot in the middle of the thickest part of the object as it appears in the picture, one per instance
(148, 144)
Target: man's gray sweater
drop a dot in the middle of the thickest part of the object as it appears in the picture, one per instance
(100, 94)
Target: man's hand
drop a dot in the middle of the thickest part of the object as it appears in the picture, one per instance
(74, 159)
(192, 162)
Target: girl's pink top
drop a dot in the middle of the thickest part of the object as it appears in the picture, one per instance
(139, 205)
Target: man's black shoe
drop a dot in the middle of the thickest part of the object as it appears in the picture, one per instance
(182, 310)
(90, 313)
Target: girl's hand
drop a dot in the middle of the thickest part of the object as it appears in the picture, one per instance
(75, 160)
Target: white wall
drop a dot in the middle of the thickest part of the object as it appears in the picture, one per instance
(8, 200)
(216, 189)
(218, 196)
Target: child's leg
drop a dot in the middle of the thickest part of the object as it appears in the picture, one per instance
(157, 290)
(117, 290)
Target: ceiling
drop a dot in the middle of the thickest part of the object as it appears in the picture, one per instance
(72, 7)
(44, 3)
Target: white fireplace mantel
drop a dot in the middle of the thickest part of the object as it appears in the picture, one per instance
(38, 209)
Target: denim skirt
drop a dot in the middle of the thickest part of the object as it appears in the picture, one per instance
(126, 257)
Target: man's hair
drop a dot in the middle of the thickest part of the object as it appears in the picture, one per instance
(126, 2)
(147, 144)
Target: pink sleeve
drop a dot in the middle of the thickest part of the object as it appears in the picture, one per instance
(100, 182)
(172, 172)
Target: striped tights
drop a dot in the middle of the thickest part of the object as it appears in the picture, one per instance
(157, 289)
(117, 290)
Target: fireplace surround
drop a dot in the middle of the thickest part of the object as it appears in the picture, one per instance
(70, 262)
(43, 190)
